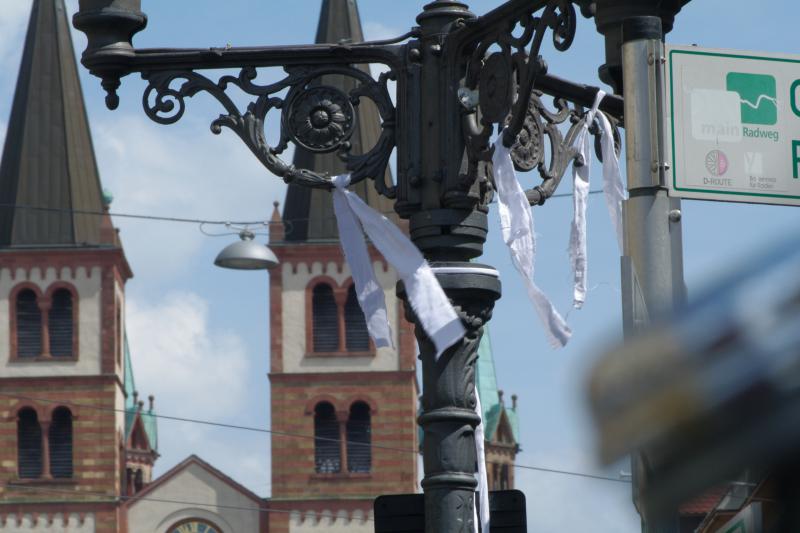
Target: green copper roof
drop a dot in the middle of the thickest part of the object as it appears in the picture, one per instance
(151, 427)
(148, 417)
(486, 382)
(130, 383)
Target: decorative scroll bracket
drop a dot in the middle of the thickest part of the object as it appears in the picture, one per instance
(316, 117)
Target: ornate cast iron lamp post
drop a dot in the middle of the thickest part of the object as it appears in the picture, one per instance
(457, 76)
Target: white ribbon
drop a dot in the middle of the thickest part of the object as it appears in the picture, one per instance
(612, 187)
(516, 222)
(429, 302)
(580, 196)
(483, 482)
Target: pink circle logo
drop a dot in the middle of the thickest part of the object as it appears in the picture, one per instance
(717, 162)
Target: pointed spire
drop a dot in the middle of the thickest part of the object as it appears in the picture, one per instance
(339, 22)
(48, 159)
(309, 213)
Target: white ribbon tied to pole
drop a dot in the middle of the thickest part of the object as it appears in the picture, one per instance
(429, 302)
(613, 189)
(516, 223)
(483, 481)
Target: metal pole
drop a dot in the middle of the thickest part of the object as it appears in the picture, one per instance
(652, 264)
(449, 236)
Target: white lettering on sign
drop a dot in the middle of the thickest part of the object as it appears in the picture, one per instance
(716, 115)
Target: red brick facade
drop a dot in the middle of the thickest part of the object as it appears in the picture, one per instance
(92, 399)
(96, 452)
(392, 397)
(393, 426)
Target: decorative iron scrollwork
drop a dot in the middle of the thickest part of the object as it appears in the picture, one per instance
(316, 117)
(502, 70)
(528, 150)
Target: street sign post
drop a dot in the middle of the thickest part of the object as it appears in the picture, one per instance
(733, 125)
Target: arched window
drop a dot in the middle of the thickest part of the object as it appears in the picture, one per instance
(61, 443)
(29, 324)
(359, 438)
(324, 319)
(60, 324)
(355, 326)
(29, 444)
(327, 450)
(138, 482)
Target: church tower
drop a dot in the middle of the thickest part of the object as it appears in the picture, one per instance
(62, 293)
(327, 377)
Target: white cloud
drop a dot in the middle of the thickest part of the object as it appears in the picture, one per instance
(192, 369)
(197, 372)
(178, 171)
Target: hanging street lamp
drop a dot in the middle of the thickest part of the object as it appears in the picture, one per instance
(246, 254)
(458, 76)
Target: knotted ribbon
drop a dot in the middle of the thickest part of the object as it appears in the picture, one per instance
(516, 223)
(613, 188)
(429, 302)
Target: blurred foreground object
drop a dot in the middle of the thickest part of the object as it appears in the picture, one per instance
(714, 390)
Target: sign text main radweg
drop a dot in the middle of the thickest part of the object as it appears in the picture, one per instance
(733, 121)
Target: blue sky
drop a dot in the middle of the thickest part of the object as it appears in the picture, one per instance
(199, 334)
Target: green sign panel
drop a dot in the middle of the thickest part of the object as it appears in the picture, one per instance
(758, 96)
(734, 125)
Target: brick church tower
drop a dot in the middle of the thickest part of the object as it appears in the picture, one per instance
(64, 442)
(327, 378)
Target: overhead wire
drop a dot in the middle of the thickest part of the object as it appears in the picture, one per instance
(201, 221)
(286, 434)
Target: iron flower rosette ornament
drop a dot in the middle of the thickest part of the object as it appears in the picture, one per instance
(320, 119)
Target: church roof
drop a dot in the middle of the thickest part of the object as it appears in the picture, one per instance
(48, 160)
(132, 410)
(491, 402)
(308, 213)
(190, 462)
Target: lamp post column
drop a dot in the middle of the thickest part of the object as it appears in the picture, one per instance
(449, 227)
(652, 265)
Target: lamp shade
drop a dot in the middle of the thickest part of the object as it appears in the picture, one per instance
(246, 255)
